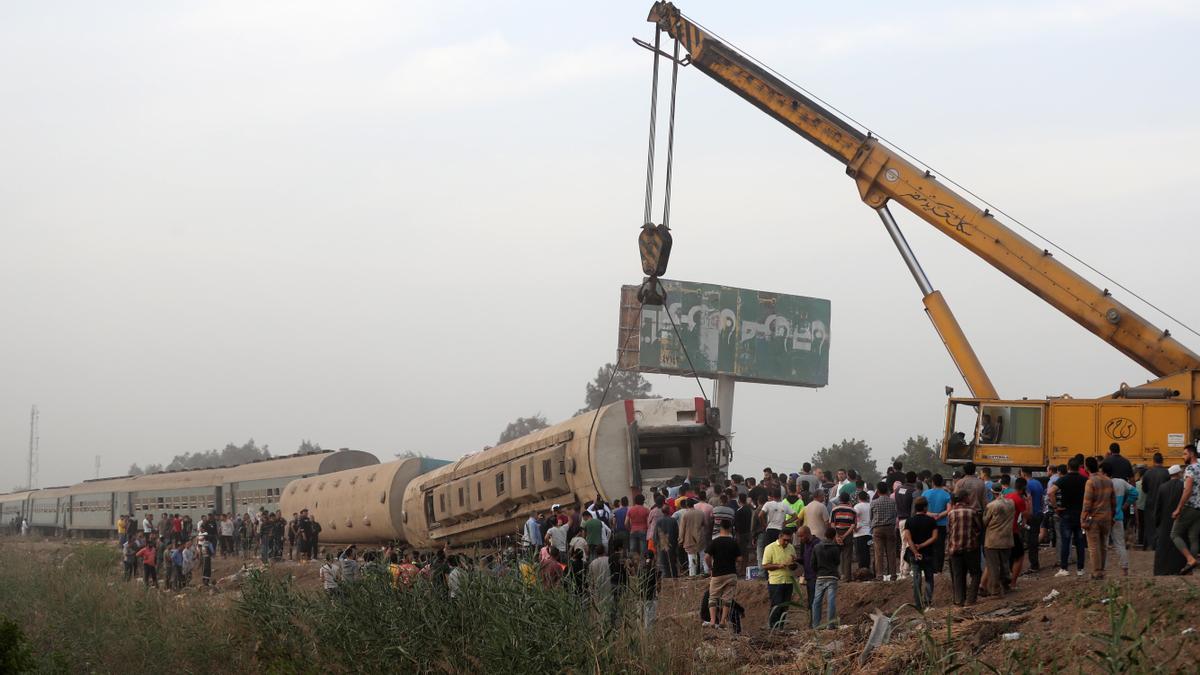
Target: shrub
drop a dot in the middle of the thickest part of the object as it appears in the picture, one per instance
(15, 656)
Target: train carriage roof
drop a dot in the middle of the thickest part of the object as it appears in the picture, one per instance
(276, 467)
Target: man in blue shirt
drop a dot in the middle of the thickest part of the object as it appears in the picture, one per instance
(938, 499)
(1033, 487)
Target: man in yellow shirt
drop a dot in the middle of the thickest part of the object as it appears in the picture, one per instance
(779, 560)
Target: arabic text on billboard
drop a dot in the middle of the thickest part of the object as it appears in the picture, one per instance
(754, 336)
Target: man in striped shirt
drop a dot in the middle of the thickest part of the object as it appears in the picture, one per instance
(844, 520)
(962, 547)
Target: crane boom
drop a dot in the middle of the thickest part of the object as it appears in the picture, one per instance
(883, 175)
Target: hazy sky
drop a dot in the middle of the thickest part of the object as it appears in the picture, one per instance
(397, 226)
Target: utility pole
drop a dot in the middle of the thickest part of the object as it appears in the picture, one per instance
(31, 475)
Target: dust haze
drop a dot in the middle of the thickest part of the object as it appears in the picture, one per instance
(400, 227)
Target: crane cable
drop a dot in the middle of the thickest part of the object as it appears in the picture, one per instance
(948, 179)
(653, 130)
(649, 206)
(666, 220)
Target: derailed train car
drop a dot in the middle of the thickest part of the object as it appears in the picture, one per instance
(629, 446)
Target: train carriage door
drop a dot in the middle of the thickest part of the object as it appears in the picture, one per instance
(218, 505)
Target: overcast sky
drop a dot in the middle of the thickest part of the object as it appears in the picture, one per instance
(398, 226)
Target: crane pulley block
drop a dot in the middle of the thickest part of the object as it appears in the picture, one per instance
(654, 244)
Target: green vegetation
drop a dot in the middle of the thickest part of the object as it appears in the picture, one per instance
(495, 625)
(73, 614)
(78, 617)
(15, 655)
(848, 454)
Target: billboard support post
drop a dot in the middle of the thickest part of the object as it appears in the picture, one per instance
(724, 401)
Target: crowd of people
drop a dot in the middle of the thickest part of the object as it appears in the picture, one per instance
(811, 530)
(178, 546)
(823, 528)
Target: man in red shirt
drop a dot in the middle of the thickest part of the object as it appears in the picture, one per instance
(1017, 496)
(637, 520)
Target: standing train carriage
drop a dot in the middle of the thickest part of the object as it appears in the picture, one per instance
(92, 508)
(48, 510)
(14, 507)
(627, 447)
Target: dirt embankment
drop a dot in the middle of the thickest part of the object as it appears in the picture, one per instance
(226, 572)
(1153, 613)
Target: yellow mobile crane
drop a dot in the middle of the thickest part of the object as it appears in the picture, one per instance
(1160, 416)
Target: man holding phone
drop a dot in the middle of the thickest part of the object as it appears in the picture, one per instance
(779, 561)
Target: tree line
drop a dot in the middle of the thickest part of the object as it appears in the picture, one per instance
(232, 454)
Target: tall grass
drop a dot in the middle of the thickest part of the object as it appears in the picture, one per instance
(79, 617)
(497, 624)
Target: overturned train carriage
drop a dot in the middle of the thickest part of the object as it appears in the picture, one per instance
(357, 505)
(631, 446)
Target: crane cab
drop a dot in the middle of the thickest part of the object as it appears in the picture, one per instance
(993, 432)
(1037, 433)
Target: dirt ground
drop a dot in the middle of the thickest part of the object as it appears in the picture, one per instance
(1066, 628)
(1058, 632)
(227, 571)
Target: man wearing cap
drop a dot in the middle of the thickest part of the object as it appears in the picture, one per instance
(998, 517)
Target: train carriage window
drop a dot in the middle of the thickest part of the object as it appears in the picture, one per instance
(546, 469)
(160, 502)
(524, 477)
(499, 484)
(562, 467)
(479, 491)
(461, 498)
(442, 502)
(429, 515)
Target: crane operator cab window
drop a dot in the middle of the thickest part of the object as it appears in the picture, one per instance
(973, 424)
(962, 428)
(1011, 425)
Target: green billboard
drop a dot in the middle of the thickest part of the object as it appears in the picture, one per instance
(753, 336)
